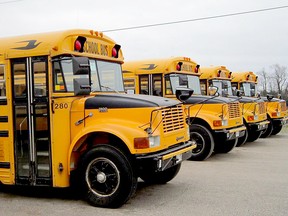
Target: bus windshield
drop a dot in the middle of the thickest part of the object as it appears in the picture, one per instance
(105, 76)
(184, 80)
(249, 89)
(224, 87)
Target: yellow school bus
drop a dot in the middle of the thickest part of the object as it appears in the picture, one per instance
(276, 110)
(253, 109)
(215, 122)
(65, 119)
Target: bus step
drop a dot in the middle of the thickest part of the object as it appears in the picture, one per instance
(40, 167)
(43, 153)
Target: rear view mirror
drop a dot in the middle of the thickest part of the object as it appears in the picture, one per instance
(269, 97)
(239, 93)
(80, 65)
(81, 86)
(183, 94)
(213, 90)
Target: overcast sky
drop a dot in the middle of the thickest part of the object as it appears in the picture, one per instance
(241, 43)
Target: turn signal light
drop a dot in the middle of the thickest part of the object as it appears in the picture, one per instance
(141, 143)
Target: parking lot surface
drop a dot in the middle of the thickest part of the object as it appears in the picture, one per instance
(250, 180)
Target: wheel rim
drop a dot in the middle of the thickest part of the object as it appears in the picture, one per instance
(197, 139)
(102, 177)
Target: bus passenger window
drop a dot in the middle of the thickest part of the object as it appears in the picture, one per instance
(2, 82)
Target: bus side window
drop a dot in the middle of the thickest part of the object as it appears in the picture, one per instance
(2, 82)
(157, 85)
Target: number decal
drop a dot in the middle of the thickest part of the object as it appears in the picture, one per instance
(61, 106)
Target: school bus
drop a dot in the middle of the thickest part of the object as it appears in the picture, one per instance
(276, 109)
(215, 122)
(65, 119)
(253, 109)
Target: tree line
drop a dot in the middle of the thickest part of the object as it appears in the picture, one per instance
(274, 81)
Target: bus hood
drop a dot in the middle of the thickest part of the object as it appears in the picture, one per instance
(128, 101)
(204, 99)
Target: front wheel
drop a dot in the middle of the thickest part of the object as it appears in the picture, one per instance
(253, 135)
(226, 147)
(268, 130)
(107, 176)
(276, 129)
(161, 177)
(242, 140)
(204, 141)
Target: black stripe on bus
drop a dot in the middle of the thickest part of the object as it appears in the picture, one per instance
(4, 133)
(5, 165)
(3, 101)
(3, 118)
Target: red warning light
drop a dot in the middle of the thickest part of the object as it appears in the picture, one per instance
(77, 45)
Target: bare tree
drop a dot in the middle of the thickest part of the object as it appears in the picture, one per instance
(263, 81)
(280, 77)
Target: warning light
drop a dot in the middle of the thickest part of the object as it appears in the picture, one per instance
(196, 70)
(247, 78)
(230, 74)
(178, 66)
(219, 72)
(115, 50)
(77, 45)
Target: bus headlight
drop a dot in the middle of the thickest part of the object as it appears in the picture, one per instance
(146, 142)
(154, 141)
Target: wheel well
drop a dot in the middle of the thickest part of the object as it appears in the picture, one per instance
(97, 138)
(200, 122)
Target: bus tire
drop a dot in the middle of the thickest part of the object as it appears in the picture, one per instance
(242, 140)
(253, 135)
(276, 129)
(226, 147)
(107, 177)
(204, 141)
(162, 177)
(268, 131)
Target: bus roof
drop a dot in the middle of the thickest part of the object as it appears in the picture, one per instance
(245, 76)
(215, 72)
(56, 43)
(166, 65)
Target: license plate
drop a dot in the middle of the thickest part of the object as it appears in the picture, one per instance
(237, 133)
(178, 158)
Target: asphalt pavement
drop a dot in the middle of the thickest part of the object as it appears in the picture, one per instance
(250, 180)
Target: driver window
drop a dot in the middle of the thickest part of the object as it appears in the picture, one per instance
(2, 82)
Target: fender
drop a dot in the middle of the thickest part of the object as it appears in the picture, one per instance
(117, 128)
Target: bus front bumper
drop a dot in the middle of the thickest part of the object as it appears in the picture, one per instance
(259, 126)
(160, 161)
(230, 134)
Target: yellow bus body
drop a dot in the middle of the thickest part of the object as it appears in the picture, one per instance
(276, 109)
(204, 111)
(47, 127)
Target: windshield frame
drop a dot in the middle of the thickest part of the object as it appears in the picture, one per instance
(183, 80)
(104, 76)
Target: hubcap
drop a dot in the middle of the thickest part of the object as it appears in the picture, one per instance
(102, 177)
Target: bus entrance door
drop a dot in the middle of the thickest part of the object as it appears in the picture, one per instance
(31, 121)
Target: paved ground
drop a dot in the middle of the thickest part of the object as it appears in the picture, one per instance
(250, 180)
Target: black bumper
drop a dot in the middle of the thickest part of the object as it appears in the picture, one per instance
(160, 161)
(229, 134)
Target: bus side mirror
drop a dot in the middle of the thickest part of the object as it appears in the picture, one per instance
(269, 97)
(183, 94)
(239, 93)
(81, 86)
(213, 91)
(81, 65)
(258, 95)
(279, 96)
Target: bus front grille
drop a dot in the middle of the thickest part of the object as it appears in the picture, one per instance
(283, 106)
(173, 118)
(234, 110)
(261, 107)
